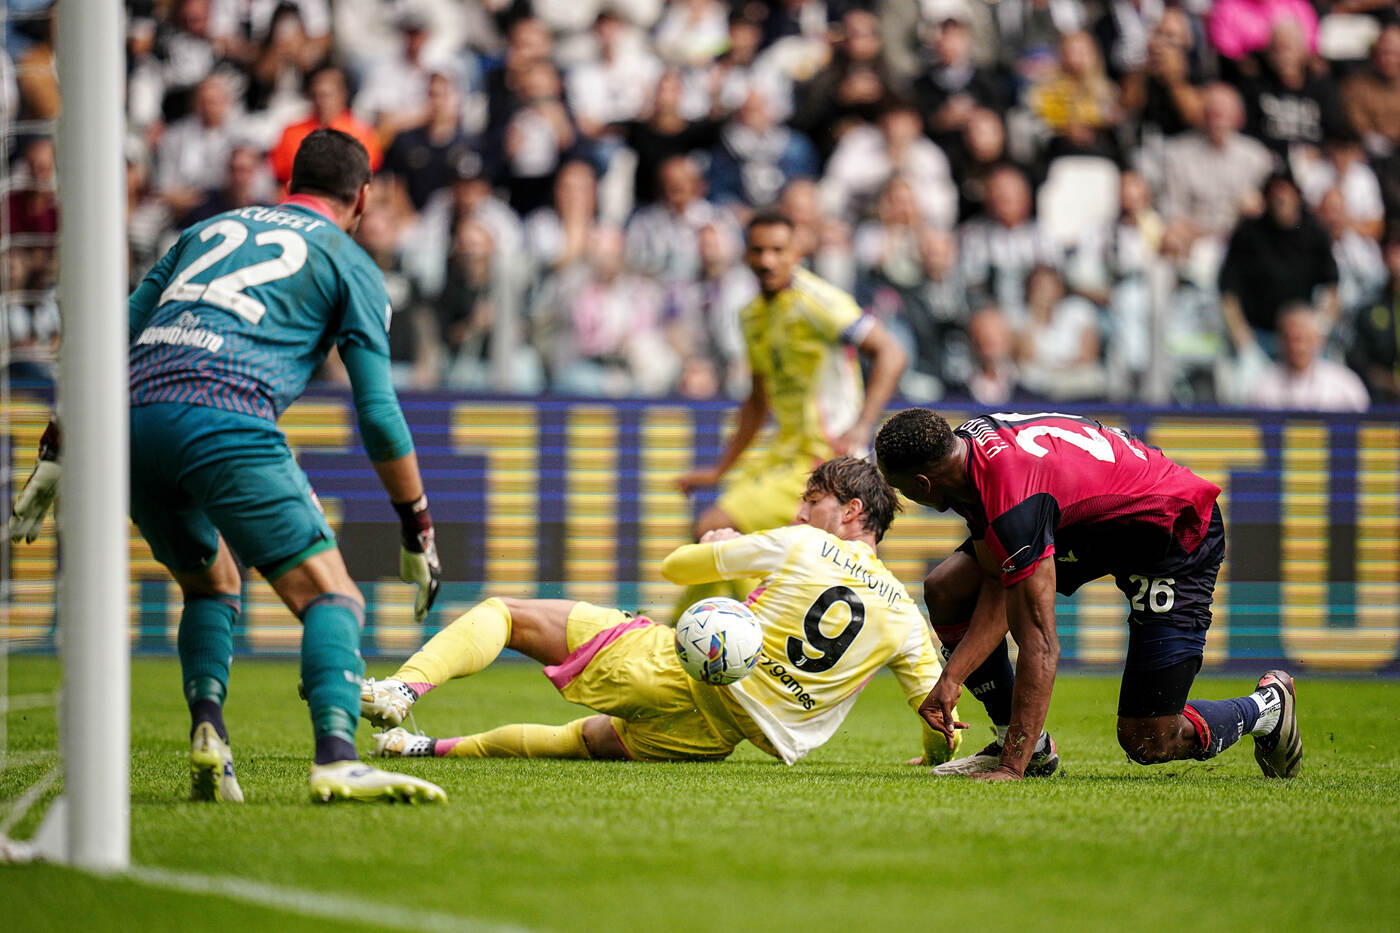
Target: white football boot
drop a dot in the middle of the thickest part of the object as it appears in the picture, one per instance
(385, 703)
(400, 743)
(211, 767)
(1042, 764)
(1280, 753)
(355, 780)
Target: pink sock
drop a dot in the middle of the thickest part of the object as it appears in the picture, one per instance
(419, 689)
(442, 747)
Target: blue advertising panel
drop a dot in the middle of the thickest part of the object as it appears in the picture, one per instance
(577, 499)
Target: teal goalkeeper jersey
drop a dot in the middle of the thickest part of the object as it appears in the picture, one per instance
(246, 305)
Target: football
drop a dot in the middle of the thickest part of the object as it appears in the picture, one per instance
(718, 640)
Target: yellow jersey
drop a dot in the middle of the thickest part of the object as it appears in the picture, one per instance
(832, 616)
(802, 342)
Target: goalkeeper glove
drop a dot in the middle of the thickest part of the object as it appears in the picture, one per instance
(39, 491)
(418, 559)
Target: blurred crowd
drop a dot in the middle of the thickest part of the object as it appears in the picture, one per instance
(1175, 201)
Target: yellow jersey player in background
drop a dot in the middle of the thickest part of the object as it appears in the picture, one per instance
(804, 337)
(832, 614)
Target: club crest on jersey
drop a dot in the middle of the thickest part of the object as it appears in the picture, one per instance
(1008, 565)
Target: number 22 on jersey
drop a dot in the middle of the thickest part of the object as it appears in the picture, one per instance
(226, 291)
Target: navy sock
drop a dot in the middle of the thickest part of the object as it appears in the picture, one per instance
(331, 748)
(991, 683)
(1220, 723)
(210, 712)
(331, 669)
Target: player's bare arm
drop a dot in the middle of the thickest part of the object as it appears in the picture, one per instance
(887, 363)
(752, 413)
(400, 477)
(985, 631)
(1030, 611)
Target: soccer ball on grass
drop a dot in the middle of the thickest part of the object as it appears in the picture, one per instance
(718, 640)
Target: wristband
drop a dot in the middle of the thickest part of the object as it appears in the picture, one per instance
(415, 524)
(49, 443)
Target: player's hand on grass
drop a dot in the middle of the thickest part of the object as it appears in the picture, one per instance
(418, 558)
(938, 709)
(39, 491)
(698, 478)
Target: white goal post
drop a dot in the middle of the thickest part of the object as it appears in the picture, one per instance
(92, 602)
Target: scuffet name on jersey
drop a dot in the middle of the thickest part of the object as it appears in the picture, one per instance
(270, 215)
(185, 332)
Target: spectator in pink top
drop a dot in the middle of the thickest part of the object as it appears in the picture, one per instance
(1241, 27)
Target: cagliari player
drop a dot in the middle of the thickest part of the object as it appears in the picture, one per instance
(1054, 501)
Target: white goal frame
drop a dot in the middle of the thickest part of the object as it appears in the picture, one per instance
(94, 813)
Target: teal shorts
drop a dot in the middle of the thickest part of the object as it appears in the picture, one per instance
(198, 472)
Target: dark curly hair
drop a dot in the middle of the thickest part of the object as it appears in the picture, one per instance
(911, 439)
(847, 478)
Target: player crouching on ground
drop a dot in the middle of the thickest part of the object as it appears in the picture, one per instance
(832, 615)
(1054, 501)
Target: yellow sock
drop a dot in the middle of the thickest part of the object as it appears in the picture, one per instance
(736, 589)
(520, 740)
(472, 641)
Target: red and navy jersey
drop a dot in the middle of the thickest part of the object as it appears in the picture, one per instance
(1096, 498)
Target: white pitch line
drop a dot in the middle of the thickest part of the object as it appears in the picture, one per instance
(28, 799)
(316, 904)
(34, 757)
(27, 701)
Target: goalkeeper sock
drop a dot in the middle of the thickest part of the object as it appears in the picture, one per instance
(1220, 723)
(468, 645)
(519, 740)
(205, 644)
(331, 669)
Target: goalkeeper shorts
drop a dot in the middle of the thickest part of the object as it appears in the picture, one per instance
(199, 472)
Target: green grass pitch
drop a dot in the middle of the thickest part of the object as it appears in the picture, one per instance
(850, 839)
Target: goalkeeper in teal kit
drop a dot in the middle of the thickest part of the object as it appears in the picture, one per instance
(225, 331)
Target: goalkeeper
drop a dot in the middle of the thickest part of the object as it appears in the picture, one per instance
(832, 616)
(224, 333)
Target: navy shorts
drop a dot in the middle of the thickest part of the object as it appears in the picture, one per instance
(1169, 615)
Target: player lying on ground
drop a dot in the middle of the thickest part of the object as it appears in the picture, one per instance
(799, 334)
(832, 614)
(1054, 501)
(225, 332)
